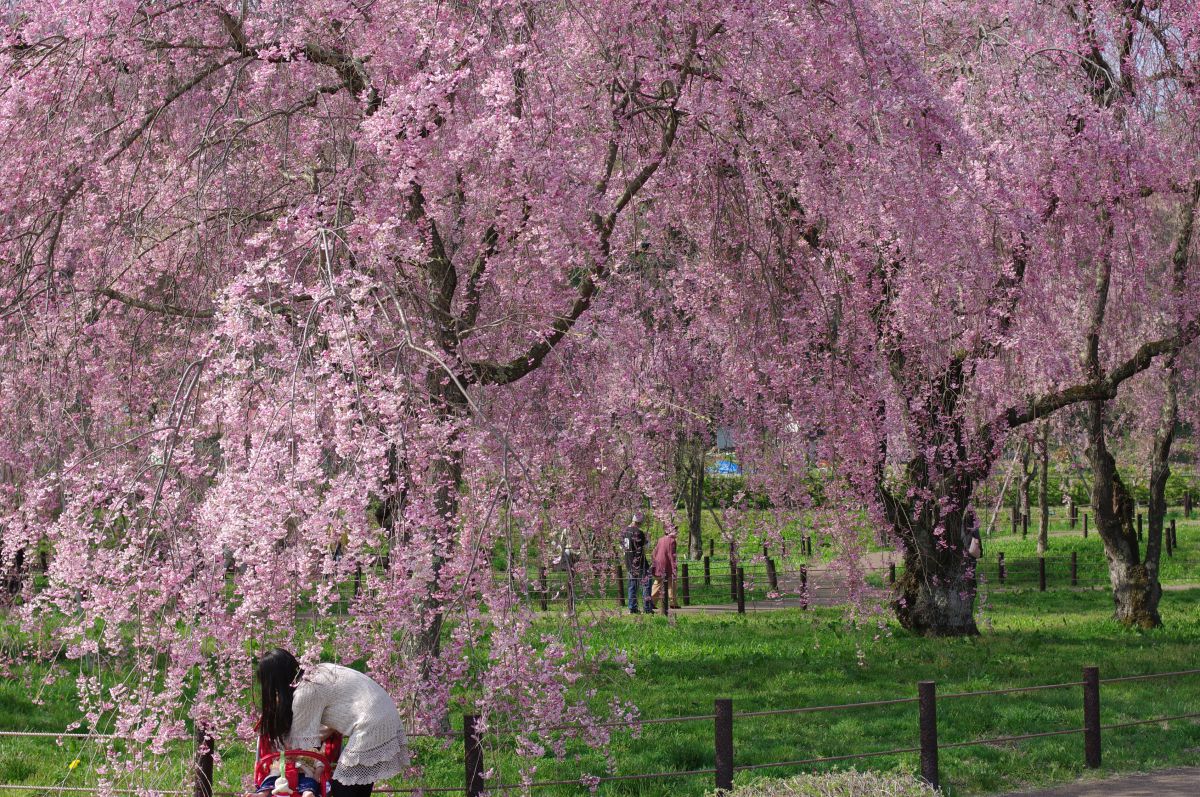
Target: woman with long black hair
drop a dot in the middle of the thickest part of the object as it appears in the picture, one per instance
(302, 706)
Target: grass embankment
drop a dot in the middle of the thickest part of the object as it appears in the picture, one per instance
(789, 658)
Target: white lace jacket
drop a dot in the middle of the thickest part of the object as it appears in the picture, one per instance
(352, 704)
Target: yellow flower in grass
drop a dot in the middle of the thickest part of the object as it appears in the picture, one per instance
(73, 764)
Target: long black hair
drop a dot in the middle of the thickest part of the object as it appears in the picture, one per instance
(277, 672)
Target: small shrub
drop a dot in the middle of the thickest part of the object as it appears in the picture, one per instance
(850, 783)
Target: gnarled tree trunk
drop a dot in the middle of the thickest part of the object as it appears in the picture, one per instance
(1136, 591)
(936, 594)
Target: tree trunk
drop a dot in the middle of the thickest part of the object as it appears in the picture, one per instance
(1160, 471)
(1043, 490)
(1136, 591)
(446, 479)
(937, 605)
(936, 594)
(695, 502)
(1027, 474)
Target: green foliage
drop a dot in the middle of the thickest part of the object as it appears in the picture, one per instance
(839, 784)
(1181, 479)
(721, 491)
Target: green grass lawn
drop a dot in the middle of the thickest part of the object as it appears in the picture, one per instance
(789, 658)
(1182, 567)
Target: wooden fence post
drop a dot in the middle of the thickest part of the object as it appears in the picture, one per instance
(543, 587)
(1139, 516)
(664, 595)
(927, 703)
(202, 771)
(1024, 526)
(686, 586)
(710, 548)
(1085, 524)
(1167, 534)
(1041, 574)
(1074, 569)
(892, 573)
(1001, 571)
(1091, 717)
(741, 590)
(622, 590)
(803, 587)
(723, 742)
(472, 757)
(1174, 535)
(772, 578)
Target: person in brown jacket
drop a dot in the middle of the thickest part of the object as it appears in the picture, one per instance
(663, 562)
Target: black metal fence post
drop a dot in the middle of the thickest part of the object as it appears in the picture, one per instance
(723, 742)
(543, 587)
(707, 571)
(772, 577)
(803, 587)
(472, 757)
(1139, 517)
(622, 590)
(202, 767)
(1041, 574)
(686, 585)
(1091, 717)
(927, 702)
(1085, 525)
(1174, 535)
(1074, 569)
(664, 595)
(741, 590)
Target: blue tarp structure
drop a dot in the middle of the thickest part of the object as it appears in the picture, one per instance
(726, 467)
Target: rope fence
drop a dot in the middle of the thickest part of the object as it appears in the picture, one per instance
(723, 718)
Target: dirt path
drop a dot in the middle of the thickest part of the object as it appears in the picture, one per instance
(1182, 782)
(827, 586)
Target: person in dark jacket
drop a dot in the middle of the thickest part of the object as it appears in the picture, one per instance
(664, 569)
(633, 545)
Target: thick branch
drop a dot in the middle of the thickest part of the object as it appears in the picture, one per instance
(156, 307)
(1099, 390)
(505, 373)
